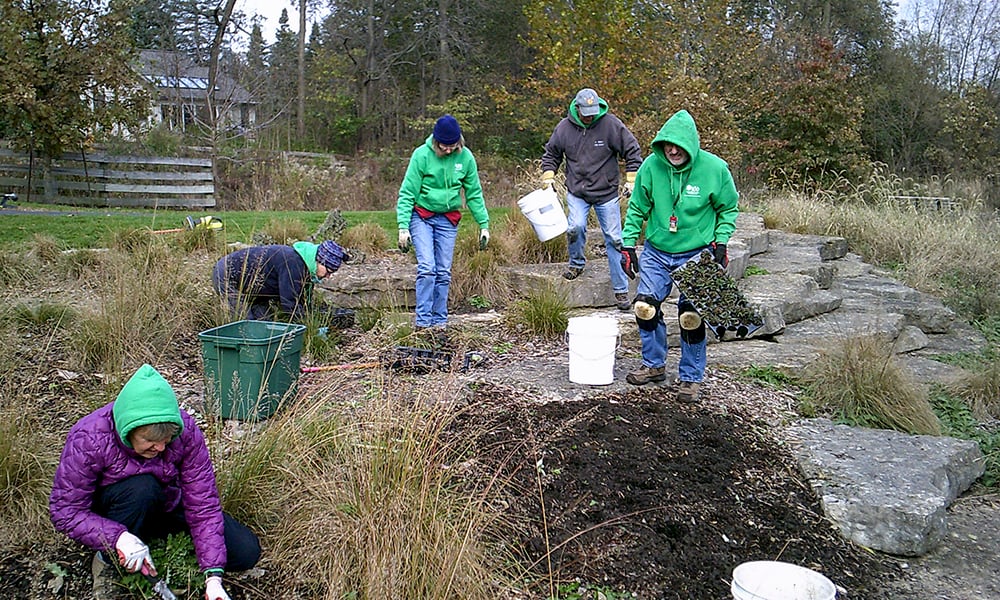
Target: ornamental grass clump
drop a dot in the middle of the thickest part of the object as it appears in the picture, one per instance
(859, 382)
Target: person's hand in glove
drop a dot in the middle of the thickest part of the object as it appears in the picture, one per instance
(630, 262)
(548, 178)
(214, 589)
(629, 184)
(133, 554)
(720, 254)
(404, 240)
(484, 238)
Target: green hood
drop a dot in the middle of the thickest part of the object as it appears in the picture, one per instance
(307, 250)
(575, 116)
(679, 130)
(145, 399)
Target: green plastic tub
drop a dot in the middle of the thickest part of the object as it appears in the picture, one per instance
(250, 367)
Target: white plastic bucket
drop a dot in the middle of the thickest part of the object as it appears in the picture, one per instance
(592, 343)
(774, 580)
(543, 210)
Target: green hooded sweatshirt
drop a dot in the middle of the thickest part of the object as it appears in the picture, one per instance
(436, 183)
(145, 399)
(307, 250)
(700, 193)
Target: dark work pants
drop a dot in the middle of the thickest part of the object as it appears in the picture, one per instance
(137, 503)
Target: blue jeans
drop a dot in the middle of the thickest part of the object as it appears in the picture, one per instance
(654, 280)
(609, 215)
(434, 244)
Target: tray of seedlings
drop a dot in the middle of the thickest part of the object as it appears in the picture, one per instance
(715, 296)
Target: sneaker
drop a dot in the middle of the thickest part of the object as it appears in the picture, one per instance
(689, 320)
(687, 392)
(621, 301)
(572, 273)
(644, 375)
(105, 578)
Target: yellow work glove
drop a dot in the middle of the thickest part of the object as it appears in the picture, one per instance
(548, 178)
(629, 184)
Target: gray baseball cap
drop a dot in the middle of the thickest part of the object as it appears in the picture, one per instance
(587, 103)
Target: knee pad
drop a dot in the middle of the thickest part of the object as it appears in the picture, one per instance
(647, 312)
(573, 233)
(688, 317)
(694, 336)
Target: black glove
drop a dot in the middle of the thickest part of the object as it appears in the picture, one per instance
(720, 254)
(630, 262)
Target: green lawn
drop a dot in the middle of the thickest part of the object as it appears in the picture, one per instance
(88, 227)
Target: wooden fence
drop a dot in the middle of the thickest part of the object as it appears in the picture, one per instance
(109, 181)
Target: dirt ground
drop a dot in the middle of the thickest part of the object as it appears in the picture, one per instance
(630, 493)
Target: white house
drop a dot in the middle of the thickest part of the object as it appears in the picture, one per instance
(179, 89)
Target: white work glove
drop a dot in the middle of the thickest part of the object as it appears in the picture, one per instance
(133, 554)
(484, 238)
(214, 589)
(629, 184)
(404, 240)
(548, 178)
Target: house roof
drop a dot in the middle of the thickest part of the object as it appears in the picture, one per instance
(177, 77)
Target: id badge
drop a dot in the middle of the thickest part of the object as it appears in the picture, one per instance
(673, 223)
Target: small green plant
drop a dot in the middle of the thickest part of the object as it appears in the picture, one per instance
(752, 270)
(479, 302)
(769, 376)
(176, 565)
(958, 420)
(544, 312)
(576, 590)
(859, 381)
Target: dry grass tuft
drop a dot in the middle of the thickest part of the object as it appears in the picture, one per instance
(146, 297)
(27, 464)
(860, 382)
(370, 238)
(368, 491)
(981, 391)
(543, 312)
(947, 253)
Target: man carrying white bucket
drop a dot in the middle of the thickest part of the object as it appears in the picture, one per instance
(592, 140)
(688, 197)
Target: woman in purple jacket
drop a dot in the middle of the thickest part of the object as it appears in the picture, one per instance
(138, 469)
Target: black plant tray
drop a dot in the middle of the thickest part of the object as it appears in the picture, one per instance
(715, 296)
(420, 360)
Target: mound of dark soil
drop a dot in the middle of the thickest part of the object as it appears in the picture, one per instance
(640, 494)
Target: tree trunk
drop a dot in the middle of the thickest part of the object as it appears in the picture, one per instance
(302, 70)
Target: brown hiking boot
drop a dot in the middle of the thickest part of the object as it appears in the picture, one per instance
(105, 578)
(644, 375)
(621, 301)
(687, 392)
(572, 273)
(689, 320)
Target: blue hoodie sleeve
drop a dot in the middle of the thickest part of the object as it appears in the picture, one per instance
(294, 282)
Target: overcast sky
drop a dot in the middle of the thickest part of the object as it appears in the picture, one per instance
(271, 11)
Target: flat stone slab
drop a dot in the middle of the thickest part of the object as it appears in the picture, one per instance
(795, 297)
(885, 490)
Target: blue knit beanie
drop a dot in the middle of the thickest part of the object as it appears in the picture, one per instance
(330, 255)
(447, 131)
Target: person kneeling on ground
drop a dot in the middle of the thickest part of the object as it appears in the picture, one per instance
(252, 278)
(139, 469)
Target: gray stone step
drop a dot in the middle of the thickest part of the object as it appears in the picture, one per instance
(885, 490)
